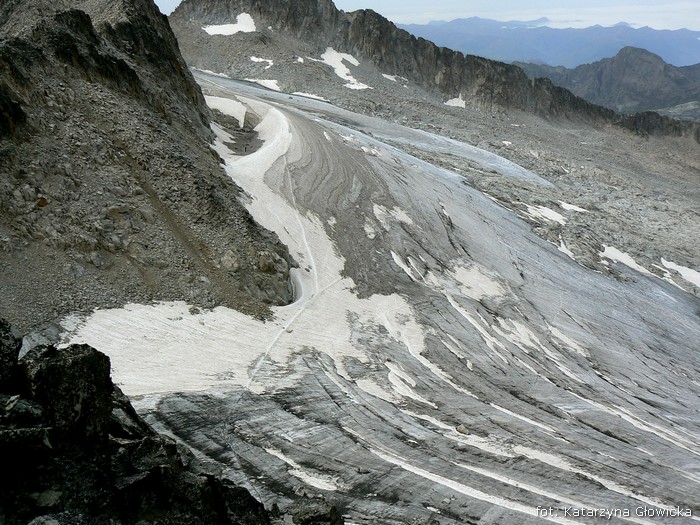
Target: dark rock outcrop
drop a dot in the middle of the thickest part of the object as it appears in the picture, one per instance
(10, 346)
(74, 450)
(12, 116)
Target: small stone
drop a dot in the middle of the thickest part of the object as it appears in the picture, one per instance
(49, 498)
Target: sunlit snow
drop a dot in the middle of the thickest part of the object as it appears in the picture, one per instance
(269, 84)
(692, 276)
(335, 59)
(458, 102)
(270, 63)
(244, 24)
(621, 257)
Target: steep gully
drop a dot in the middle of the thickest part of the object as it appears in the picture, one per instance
(440, 362)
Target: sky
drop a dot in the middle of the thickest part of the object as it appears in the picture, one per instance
(659, 14)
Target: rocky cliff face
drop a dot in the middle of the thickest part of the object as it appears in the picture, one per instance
(369, 36)
(316, 21)
(109, 191)
(633, 80)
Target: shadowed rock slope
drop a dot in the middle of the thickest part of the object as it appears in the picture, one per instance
(109, 191)
(369, 36)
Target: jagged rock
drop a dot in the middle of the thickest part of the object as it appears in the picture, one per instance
(9, 352)
(74, 388)
(315, 514)
(12, 116)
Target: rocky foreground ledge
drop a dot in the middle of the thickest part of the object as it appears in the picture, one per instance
(74, 451)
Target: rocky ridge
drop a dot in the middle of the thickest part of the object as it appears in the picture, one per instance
(109, 191)
(366, 34)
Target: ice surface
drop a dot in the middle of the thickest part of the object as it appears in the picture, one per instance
(516, 376)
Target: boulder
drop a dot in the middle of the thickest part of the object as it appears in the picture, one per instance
(74, 387)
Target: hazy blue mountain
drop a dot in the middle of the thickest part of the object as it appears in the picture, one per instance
(633, 80)
(531, 41)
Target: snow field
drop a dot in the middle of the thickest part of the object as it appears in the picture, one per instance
(244, 24)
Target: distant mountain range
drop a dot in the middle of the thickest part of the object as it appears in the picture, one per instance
(634, 80)
(531, 41)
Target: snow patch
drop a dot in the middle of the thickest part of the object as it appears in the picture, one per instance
(542, 212)
(564, 249)
(244, 24)
(375, 390)
(401, 264)
(259, 60)
(317, 481)
(335, 59)
(385, 216)
(476, 284)
(692, 276)
(309, 95)
(458, 102)
(568, 341)
(572, 207)
(617, 256)
(269, 84)
(369, 230)
(499, 501)
(229, 107)
(212, 73)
